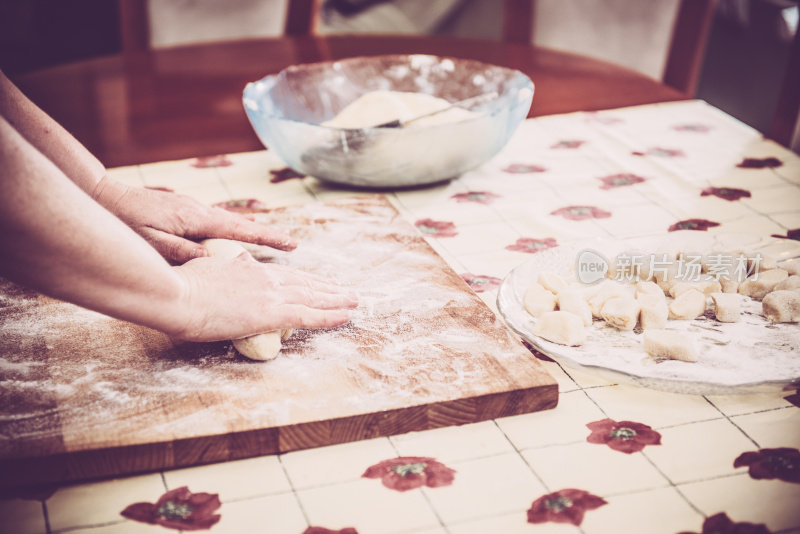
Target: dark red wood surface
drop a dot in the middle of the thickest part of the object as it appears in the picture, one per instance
(186, 101)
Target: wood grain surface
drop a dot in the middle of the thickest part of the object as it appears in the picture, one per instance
(83, 395)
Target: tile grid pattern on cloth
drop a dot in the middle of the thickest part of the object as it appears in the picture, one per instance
(611, 457)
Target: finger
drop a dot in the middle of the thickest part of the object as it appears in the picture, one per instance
(293, 277)
(298, 316)
(317, 299)
(172, 247)
(226, 225)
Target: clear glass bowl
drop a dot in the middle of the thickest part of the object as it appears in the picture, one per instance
(287, 109)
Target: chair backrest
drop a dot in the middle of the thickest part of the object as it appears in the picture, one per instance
(620, 31)
(137, 16)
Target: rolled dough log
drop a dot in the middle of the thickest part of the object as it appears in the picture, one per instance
(261, 347)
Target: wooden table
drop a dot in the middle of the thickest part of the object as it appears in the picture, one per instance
(186, 101)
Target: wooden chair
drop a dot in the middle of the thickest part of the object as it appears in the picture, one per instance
(687, 46)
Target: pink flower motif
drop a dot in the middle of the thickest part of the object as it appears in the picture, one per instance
(726, 193)
(480, 283)
(622, 436)
(179, 509)
(436, 228)
(579, 213)
(619, 180)
(722, 524)
(660, 152)
(286, 173)
(322, 530)
(701, 225)
(160, 188)
(760, 163)
(481, 197)
(410, 472)
(208, 162)
(793, 398)
(782, 463)
(569, 143)
(242, 205)
(791, 234)
(531, 245)
(692, 127)
(523, 168)
(564, 506)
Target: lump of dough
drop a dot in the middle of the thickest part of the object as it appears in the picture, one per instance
(791, 266)
(571, 300)
(648, 288)
(607, 291)
(537, 300)
(761, 283)
(688, 305)
(560, 327)
(668, 344)
(260, 347)
(654, 311)
(704, 286)
(793, 282)
(782, 306)
(728, 307)
(621, 312)
(552, 282)
(729, 285)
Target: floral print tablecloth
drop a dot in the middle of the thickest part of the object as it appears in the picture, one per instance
(611, 458)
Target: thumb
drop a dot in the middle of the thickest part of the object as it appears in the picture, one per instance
(173, 248)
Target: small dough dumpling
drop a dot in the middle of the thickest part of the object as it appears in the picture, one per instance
(571, 300)
(689, 305)
(666, 276)
(793, 282)
(621, 312)
(648, 288)
(607, 291)
(552, 282)
(704, 286)
(560, 327)
(654, 311)
(759, 284)
(727, 307)
(537, 300)
(662, 343)
(791, 266)
(729, 285)
(782, 306)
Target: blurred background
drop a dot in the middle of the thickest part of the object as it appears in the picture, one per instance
(744, 66)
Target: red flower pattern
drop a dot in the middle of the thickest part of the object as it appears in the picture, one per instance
(436, 228)
(286, 173)
(569, 143)
(660, 152)
(760, 163)
(782, 463)
(160, 188)
(244, 205)
(523, 168)
(622, 436)
(579, 213)
(791, 234)
(726, 193)
(480, 282)
(564, 506)
(794, 398)
(322, 530)
(179, 509)
(692, 127)
(721, 524)
(700, 225)
(619, 180)
(208, 162)
(481, 197)
(532, 245)
(410, 472)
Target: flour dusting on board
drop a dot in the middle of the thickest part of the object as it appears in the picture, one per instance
(75, 379)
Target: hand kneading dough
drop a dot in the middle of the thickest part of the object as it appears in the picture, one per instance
(264, 346)
(668, 344)
(758, 285)
(654, 311)
(688, 305)
(728, 307)
(621, 312)
(782, 306)
(537, 300)
(560, 327)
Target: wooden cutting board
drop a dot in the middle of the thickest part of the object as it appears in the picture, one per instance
(83, 395)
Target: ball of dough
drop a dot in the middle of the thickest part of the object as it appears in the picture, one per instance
(782, 306)
(537, 300)
(560, 327)
(688, 305)
(793, 282)
(621, 312)
(571, 300)
(759, 284)
(654, 311)
(728, 307)
(668, 344)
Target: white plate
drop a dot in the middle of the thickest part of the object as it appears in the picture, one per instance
(744, 357)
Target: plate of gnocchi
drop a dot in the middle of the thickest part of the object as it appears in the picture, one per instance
(687, 312)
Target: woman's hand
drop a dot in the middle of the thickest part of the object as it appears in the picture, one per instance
(170, 222)
(229, 299)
